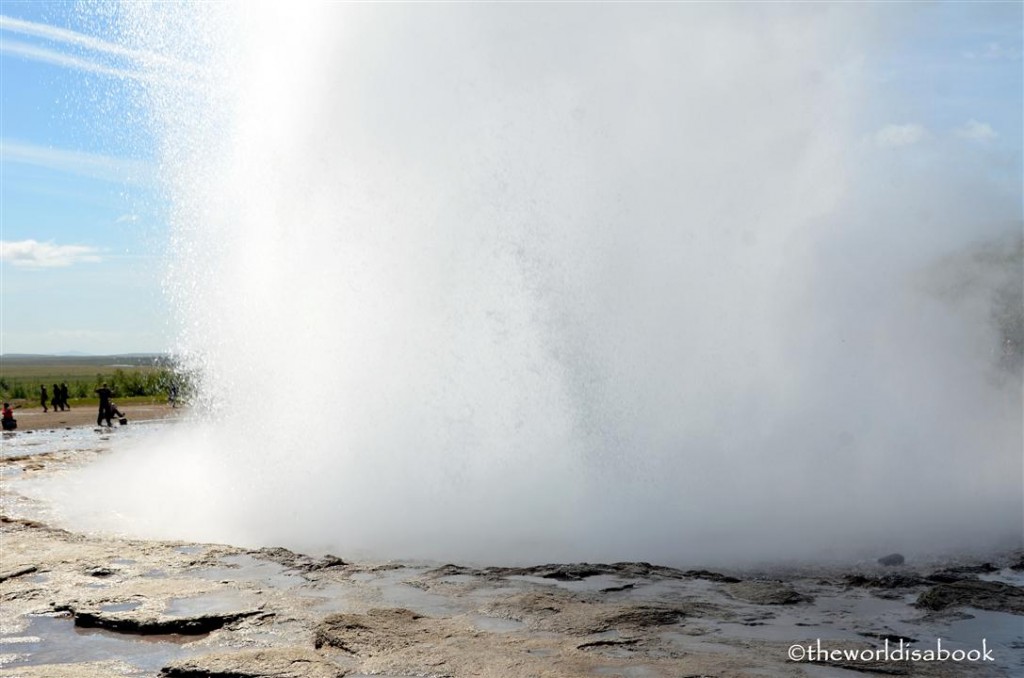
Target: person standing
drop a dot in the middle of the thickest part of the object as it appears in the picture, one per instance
(44, 397)
(64, 395)
(104, 393)
(56, 399)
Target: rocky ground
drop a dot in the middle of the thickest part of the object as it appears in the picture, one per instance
(98, 606)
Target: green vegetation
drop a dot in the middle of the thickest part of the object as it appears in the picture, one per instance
(131, 378)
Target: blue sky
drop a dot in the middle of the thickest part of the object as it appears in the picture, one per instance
(83, 225)
(82, 229)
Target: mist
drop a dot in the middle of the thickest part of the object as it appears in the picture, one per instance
(511, 284)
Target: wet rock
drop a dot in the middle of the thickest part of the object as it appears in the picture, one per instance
(891, 637)
(948, 577)
(298, 561)
(377, 631)
(887, 581)
(711, 576)
(617, 589)
(892, 560)
(451, 570)
(558, 572)
(327, 562)
(766, 593)
(573, 572)
(872, 666)
(641, 616)
(8, 521)
(148, 624)
(646, 570)
(624, 642)
(536, 608)
(17, 572)
(577, 571)
(100, 571)
(965, 571)
(270, 663)
(1019, 565)
(984, 595)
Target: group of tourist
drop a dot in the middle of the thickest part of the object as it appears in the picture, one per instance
(59, 400)
(108, 410)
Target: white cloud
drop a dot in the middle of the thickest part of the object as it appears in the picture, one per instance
(94, 165)
(977, 131)
(900, 135)
(34, 254)
(129, 218)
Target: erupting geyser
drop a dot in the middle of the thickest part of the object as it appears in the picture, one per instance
(563, 282)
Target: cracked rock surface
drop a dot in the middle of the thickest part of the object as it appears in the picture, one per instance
(97, 606)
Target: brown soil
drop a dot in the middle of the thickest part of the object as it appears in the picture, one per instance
(35, 419)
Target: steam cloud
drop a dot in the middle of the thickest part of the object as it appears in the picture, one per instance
(535, 283)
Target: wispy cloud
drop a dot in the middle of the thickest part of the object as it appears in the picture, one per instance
(88, 42)
(34, 254)
(892, 136)
(993, 50)
(92, 55)
(976, 131)
(93, 165)
(63, 60)
(49, 56)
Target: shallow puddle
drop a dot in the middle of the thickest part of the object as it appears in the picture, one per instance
(56, 640)
(1000, 632)
(496, 624)
(328, 597)
(392, 588)
(1006, 576)
(189, 550)
(246, 568)
(216, 602)
(627, 671)
(121, 607)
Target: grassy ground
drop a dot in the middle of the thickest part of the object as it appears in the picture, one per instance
(133, 378)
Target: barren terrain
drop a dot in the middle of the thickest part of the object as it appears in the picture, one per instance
(96, 606)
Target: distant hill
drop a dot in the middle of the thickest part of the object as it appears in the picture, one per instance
(11, 360)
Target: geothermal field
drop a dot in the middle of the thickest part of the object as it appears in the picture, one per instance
(543, 340)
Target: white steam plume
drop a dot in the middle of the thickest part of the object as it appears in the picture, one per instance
(552, 282)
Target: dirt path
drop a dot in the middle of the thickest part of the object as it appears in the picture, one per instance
(36, 419)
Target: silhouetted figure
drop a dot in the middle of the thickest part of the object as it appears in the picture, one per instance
(8, 421)
(172, 394)
(57, 405)
(64, 395)
(114, 412)
(104, 393)
(44, 397)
